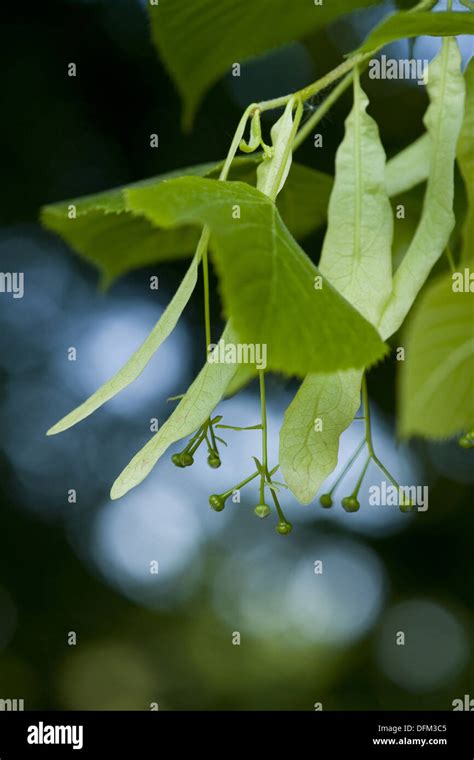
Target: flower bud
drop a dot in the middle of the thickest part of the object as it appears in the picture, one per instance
(216, 502)
(325, 500)
(283, 528)
(350, 504)
(262, 510)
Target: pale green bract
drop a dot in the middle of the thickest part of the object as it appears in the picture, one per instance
(271, 169)
(267, 281)
(408, 168)
(309, 455)
(443, 121)
(139, 360)
(192, 411)
(299, 445)
(356, 258)
(437, 378)
(465, 156)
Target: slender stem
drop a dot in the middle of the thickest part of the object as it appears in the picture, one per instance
(368, 426)
(281, 516)
(263, 404)
(361, 478)
(334, 75)
(240, 485)
(368, 434)
(199, 434)
(194, 444)
(207, 310)
(385, 471)
(207, 307)
(449, 256)
(202, 249)
(247, 480)
(205, 233)
(348, 466)
(233, 427)
(239, 133)
(268, 475)
(269, 105)
(321, 112)
(204, 240)
(213, 438)
(320, 84)
(450, 5)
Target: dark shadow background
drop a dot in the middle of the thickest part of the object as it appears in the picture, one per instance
(84, 567)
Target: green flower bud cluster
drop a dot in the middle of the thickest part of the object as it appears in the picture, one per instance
(217, 502)
(185, 458)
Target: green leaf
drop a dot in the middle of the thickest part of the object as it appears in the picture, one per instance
(267, 281)
(307, 455)
(113, 237)
(465, 156)
(414, 24)
(408, 168)
(117, 240)
(193, 410)
(200, 40)
(443, 121)
(139, 360)
(437, 377)
(356, 256)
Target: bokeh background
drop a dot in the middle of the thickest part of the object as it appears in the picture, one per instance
(85, 567)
